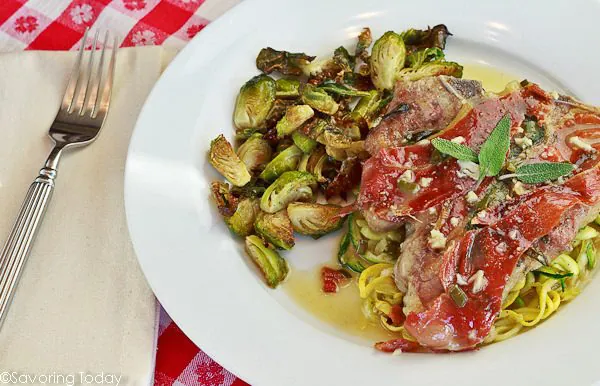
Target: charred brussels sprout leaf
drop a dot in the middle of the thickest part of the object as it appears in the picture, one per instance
(255, 152)
(286, 63)
(387, 59)
(285, 161)
(418, 58)
(343, 59)
(254, 102)
(304, 142)
(319, 100)
(339, 89)
(273, 267)
(287, 88)
(369, 107)
(294, 117)
(314, 220)
(289, 187)
(364, 42)
(222, 157)
(242, 221)
(416, 39)
(432, 69)
(278, 111)
(276, 228)
(226, 201)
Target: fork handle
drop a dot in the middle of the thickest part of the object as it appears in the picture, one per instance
(17, 247)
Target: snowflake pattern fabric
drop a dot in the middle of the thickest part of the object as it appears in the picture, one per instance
(30, 25)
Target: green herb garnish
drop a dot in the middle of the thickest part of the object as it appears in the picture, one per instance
(492, 155)
(453, 149)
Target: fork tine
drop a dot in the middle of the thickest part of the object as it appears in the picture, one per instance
(103, 98)
(68, 98)
(99, 77)
(90, 75)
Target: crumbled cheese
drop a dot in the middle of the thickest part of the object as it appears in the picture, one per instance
(425, 181)
(580, 143)
(461, 280)
(473, 335)
(437, 240)
(524, 142)
(554, 94)
(520, 130)
(458, 140)
(468, 169)
(479, 282)
(472, 197)
(513, 234)
(397, 352)
(432, 210)
(501, 248)
(482, 214)
(519, 188)
(424, 142)
(407, 176)
(454, 221)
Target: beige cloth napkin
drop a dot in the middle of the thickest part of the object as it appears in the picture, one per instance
(83, 305)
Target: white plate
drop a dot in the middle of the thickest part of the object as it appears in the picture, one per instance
(198, 271)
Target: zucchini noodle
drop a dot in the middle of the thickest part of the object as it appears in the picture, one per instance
(533, 298)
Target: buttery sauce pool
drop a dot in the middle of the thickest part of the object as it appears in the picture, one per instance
(343, 309)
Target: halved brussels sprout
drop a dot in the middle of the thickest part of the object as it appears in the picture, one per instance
(369, 107)
(304, 142)
(242, 221)
(432, 69)
(319, 100)
(276, 228)
(315, 220)
(286, 63)
(294, 117)
(226, 202)
(273, 267)
(286, 160)
(333, 137)
(255, 152)
(364, 42)
(254, 102)
(287, 88)
(278, 111)
(289, 187)
(222, 157)
(387, 59)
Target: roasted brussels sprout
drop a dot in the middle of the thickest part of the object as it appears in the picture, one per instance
(432, 69)
(255, 152)
(273, 267)
(283, 162)
(339, 89)
(222, 157)
(287, 88)
(364, 42)
(242, 221)
(343, 59)
(416, 39)
(387, 59)
(334, 137)
(286, 63)
(319, 100)
(254, 102)
(347, 178)
(418, 58)
(294, 117)
(369, 107)
(253, 189)
(289, 187)
(226, 201)
(276, 228)
(314, 220)
(304, 142)
(314, 127)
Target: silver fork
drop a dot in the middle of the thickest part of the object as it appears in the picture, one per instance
(77, 123)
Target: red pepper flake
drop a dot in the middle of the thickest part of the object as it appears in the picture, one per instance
(398, 344)
(396, 315)
(332, 278)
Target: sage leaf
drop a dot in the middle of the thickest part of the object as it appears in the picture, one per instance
(456, 150)
(543, 171)
(493, 151)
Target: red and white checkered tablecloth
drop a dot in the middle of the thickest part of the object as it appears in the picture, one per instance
(59, 25)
